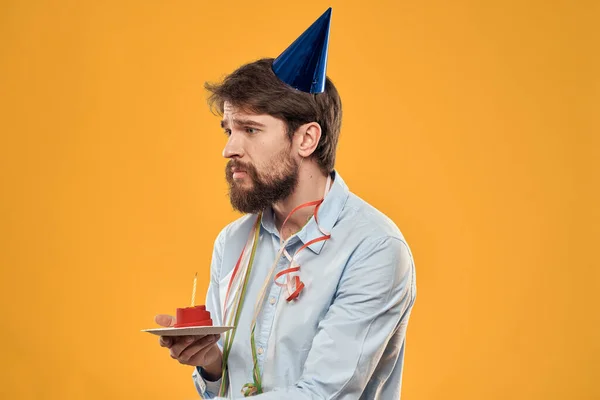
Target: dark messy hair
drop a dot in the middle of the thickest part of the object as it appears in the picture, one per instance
(255, 88)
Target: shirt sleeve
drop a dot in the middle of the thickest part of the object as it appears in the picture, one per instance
(210, 389)
(375, 295)
(206, 389)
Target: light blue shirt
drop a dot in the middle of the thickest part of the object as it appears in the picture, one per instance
(345, 336)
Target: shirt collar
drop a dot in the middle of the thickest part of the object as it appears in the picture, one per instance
(329, 212)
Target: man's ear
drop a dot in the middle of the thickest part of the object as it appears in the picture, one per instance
(307, 138)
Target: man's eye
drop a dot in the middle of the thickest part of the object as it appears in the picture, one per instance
(251, 130)
(227, 132)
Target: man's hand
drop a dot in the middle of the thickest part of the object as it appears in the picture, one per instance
(200, 351)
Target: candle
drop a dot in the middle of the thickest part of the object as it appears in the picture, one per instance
(194, 290)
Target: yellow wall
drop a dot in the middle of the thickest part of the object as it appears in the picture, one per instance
(473, 124)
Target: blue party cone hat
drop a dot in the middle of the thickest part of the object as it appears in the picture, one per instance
(303, 64)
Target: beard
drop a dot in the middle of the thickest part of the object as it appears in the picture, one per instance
(277, 183)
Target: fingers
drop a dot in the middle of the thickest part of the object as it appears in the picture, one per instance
(185, 341)
(165, 341)
(181, 344)
(198, 346)
(165, 320)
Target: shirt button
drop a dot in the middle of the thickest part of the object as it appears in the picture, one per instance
(272, 300)
(260, 350)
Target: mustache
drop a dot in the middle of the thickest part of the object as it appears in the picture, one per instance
(249, 168)
(239, 165)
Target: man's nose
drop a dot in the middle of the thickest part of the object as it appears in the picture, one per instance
(234, 146)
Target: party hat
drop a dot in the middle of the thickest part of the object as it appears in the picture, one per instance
(303, 64)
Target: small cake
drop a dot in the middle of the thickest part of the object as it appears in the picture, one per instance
(193, 316)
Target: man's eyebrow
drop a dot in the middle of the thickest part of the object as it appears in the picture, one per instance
(248, 122)
(243, 122)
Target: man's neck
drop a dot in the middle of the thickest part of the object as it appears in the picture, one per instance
(311, 186)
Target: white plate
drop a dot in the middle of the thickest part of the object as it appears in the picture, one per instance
(189, 330)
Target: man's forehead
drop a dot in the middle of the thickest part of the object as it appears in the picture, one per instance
(228, 107)
(235, 112)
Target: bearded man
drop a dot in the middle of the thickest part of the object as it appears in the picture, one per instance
(318, 284)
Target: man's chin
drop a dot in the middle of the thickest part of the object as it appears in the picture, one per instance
(242, 181)
(242, 188)
(237, 192)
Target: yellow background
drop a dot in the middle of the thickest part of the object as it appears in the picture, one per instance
(472, 124)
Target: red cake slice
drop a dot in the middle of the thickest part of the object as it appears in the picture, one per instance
(193, 316)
